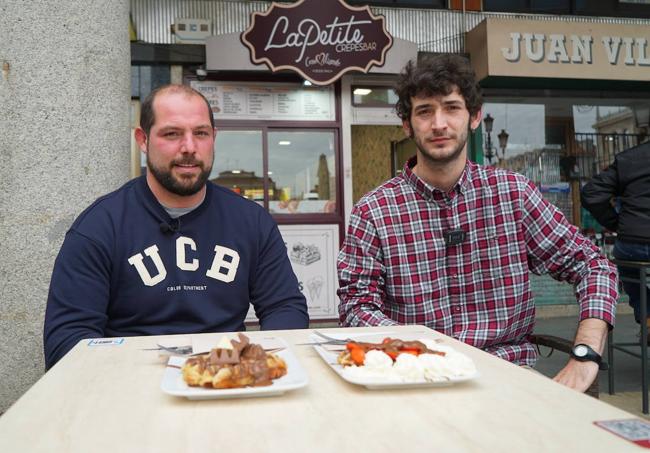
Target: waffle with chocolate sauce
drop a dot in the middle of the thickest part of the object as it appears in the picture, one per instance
(246, 365)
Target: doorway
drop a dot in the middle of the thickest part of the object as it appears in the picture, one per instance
(371, 156)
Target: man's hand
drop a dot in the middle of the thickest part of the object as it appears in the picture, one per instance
(577, 375)
(580, 375)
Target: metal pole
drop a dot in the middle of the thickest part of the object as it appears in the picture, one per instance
(644, 339)
(610, 360)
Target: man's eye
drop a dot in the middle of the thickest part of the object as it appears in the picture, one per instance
(202, 133)
(170, 134)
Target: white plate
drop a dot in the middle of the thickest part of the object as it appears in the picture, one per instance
(329, 355)
(296, 377)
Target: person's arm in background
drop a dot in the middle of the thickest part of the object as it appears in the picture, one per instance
(361, 275)
(556, 247)
(275, 294)
(78, 297)
(596, 197)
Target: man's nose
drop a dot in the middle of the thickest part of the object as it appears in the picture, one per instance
(189, 143)
(438, 120)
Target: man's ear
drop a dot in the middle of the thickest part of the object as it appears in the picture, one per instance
(406, 125)
(475, 121)
(141, 139)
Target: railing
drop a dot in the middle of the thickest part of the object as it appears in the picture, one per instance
(595, 152)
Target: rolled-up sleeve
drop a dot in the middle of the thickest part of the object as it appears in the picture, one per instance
(556, 247)
(361, 274)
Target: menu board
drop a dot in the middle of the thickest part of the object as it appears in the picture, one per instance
(268, 101)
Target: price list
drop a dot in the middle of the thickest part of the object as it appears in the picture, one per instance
(271, 101)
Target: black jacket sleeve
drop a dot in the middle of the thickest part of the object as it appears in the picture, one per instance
(596, 197)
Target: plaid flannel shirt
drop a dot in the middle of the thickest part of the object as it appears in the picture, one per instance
(395, 268)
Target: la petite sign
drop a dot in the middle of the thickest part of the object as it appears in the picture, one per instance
(320, 43)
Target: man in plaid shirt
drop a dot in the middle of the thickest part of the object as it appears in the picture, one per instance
(449, 244)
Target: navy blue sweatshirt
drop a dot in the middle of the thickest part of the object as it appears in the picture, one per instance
(127, 268)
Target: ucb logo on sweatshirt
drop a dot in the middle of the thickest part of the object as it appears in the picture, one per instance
(223, 268)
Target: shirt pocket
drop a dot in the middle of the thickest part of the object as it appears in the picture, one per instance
(499, 264)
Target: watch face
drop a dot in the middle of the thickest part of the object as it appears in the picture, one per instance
(580, 351)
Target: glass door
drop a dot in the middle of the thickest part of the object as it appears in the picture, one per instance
(291, 172)
(302, 168)
(239, 162)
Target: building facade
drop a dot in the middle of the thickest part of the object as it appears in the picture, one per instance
(555, 77)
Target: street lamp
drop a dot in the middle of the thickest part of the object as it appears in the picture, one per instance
(503, 142)
(490, 150)
(488, 121)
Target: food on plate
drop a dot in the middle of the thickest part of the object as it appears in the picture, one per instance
(233, 364)
(404, 361)
(355, 351)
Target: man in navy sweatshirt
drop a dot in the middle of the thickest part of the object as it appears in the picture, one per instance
(170, 252)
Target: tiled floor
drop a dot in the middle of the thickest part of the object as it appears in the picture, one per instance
(627, 369)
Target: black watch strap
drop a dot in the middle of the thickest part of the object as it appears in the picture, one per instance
(584, 353)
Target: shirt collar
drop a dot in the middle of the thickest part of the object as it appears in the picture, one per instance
(430, 192)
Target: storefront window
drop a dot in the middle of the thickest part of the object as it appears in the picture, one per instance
(559, 143)
(302, 168)
(373, 96)
(277, 144)
(145, 79)
(238, 163)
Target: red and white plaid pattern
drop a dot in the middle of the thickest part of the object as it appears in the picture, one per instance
(394, 266)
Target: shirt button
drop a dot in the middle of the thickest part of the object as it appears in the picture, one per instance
(456, 309)
(454, 276)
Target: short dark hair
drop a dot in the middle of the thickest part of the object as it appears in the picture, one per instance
(147, 114)
(434, 76)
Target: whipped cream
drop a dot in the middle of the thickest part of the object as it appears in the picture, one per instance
(378, 366)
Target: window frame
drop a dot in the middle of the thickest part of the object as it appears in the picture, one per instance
(265, 129)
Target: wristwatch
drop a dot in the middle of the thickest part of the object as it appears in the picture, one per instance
(584, 353)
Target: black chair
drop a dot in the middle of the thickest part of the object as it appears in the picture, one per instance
(643, 267)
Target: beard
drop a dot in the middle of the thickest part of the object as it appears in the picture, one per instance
(180, 186)
(431, 156)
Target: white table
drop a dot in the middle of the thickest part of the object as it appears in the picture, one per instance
(108, 399)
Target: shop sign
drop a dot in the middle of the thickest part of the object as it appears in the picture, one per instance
(321, 44)
(577, 49)
(559, 49)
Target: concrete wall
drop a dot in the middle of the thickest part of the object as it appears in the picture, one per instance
(64, 140)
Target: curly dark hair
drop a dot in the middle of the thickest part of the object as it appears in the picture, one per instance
(435, 76)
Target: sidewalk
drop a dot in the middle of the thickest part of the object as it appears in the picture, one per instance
(627, 373)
